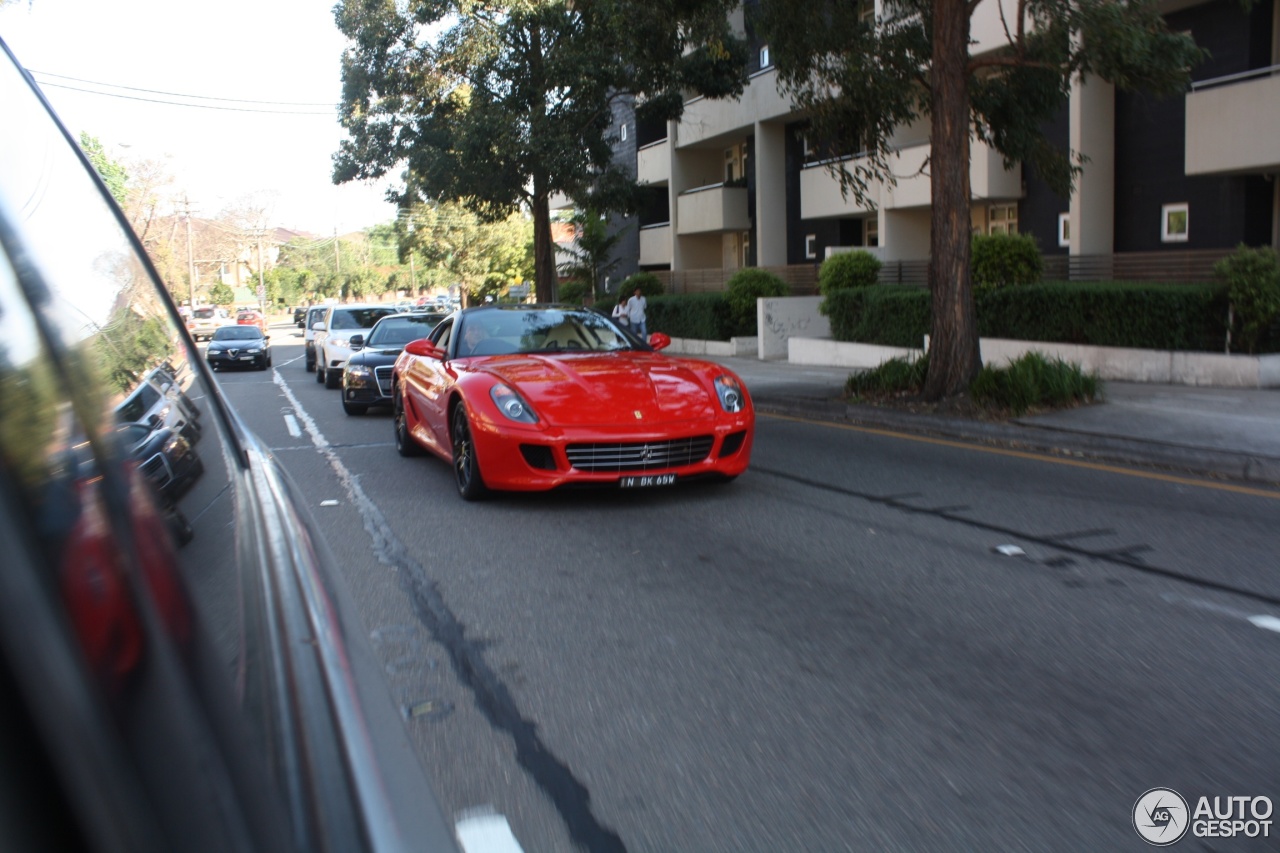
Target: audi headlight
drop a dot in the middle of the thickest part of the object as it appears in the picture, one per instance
(359, 371)
(730, 392)
(176, 447)
(512, 405)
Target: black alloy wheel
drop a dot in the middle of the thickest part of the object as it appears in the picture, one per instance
(405, 445)
(466, 468)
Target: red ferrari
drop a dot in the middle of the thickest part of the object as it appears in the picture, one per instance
(533, 397)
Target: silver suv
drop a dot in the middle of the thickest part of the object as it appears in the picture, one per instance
(334, 338)
(315, 314)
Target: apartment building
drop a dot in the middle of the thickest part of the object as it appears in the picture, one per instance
(738, 183)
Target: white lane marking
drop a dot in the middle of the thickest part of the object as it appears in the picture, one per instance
(1267, 623)
(292, 423)
(483, 831)
(328, 503)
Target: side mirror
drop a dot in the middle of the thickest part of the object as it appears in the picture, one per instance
(317, 326)
(658, 340)
(424, 348)
(356, 341)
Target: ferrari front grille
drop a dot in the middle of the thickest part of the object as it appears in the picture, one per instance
(640, 456)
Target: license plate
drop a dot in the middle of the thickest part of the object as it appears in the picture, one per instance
(647, 481)
(246, 358)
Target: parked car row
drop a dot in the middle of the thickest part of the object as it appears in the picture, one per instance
(183, 663)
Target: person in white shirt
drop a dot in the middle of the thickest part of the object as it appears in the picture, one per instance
(635, 313)
(620, 314)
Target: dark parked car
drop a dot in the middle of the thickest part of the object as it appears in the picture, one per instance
(148, 405)
(166, 459)
(299, 314)
(367, 380)
(210, 690)
(239, 346)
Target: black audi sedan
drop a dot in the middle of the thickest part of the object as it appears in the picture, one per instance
(239, 346)
(206, 689)
(367, 380)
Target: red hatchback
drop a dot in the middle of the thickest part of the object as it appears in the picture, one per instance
(252, 318)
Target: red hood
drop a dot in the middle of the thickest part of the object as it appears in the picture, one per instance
(604, 389)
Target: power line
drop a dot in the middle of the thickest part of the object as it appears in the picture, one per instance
(181, 95)
(180, 104)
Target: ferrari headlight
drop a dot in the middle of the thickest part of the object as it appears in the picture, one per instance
(512, 405)
(730, 393)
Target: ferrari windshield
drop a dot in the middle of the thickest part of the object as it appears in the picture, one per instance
(500, 331)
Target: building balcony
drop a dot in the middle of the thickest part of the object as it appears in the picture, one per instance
(713, 209)
(820, 195)
(653, 163)
(707, 119)
(655, 245)
(1218, 109)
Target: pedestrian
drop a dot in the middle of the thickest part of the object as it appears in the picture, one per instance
(635, 313)
(620, 314)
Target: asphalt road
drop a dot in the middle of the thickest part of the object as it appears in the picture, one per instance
(830, 653)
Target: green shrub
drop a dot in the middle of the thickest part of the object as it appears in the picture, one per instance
(891, 315)
(1252, 277)
(700, 316)
(650, 285)
(1033, 381)
(1002, 260)
(574, 291)
(846, 270)
(742, 291)
(895, 376)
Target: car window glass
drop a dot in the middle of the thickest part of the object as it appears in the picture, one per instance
(165, 527)
(440, 335)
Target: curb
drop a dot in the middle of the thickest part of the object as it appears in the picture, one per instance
(1016, 435)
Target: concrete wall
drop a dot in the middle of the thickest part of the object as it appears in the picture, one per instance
(779, 319)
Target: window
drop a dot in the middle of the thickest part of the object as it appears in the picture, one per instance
(871, 233)
(1002, 219)
(764, 56)
(1064, 230)
(1173, 223)
(746, 248)
(811, 245)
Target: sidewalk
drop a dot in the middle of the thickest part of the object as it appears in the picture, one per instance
(1231, 433)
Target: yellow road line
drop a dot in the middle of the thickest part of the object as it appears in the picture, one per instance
(1039, 457)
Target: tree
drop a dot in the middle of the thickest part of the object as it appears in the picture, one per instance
(591, 251)
(860, 79)
(482, 257)
(221, 294)
(501, 105)
(112, 173)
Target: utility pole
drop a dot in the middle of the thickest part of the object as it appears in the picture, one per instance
(337, 258)
(262, 286)
(191, 263)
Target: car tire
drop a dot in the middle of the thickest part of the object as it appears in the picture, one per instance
(319, 373)
(332, 380)
(405, 445)
(310, 363)
(354, 408)
(466, 467)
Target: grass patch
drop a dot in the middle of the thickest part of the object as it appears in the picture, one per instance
(1032, 383)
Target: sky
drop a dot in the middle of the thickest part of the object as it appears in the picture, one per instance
(279, 53)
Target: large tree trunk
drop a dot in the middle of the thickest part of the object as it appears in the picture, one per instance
(954, 358)
(544, 253)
